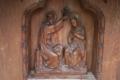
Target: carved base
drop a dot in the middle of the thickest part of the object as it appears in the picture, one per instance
(59, 74)
(63, 69)
(88, 76)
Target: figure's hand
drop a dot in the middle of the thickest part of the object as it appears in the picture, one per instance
(79, 36)
(58, 49)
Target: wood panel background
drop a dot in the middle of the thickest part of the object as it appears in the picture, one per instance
(11, 12)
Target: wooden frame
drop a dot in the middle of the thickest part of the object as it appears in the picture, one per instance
(99, 26)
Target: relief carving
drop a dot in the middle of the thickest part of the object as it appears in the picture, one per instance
(62, 44)
(54, 56)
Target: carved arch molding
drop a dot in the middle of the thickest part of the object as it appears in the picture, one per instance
(62, 37)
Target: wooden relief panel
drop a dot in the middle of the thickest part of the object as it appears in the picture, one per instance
(61, 50)
(61, 39)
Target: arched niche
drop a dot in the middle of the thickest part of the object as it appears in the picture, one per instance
(92, 18)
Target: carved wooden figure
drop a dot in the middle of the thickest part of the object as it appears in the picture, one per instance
(48, 48)
(75, 52)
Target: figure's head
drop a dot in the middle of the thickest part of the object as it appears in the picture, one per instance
(75, 20)
(51, 17)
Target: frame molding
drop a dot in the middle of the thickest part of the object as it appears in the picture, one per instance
(99, 20)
